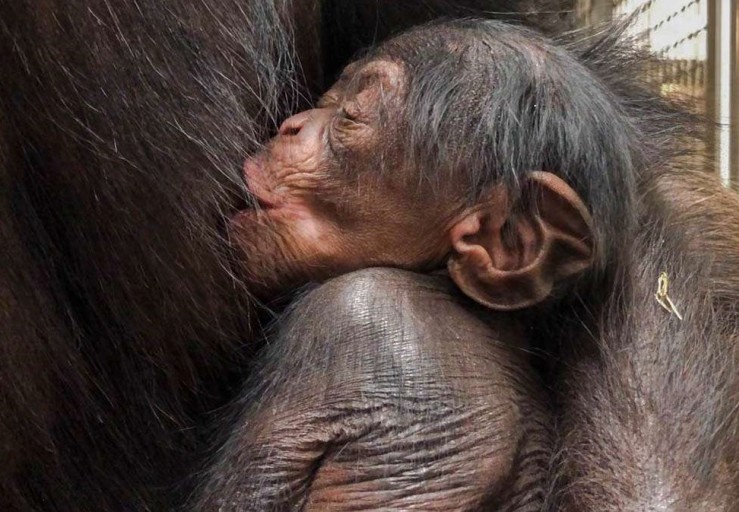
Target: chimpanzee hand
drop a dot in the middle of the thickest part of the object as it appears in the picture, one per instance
(383, 391)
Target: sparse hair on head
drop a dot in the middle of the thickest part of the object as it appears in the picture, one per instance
(488, 102)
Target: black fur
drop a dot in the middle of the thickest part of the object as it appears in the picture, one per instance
(123, 126)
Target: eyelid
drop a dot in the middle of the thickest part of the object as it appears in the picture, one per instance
(327, 100)
(343, 112)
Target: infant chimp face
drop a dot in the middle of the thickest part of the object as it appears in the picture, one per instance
(334, 193)
(340, 188)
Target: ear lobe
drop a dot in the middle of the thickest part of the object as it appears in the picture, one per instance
(509, 261)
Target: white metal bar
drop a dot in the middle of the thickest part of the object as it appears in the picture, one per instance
(724, 40)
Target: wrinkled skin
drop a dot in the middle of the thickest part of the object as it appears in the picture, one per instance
(123, 127)
(338, 189)
(332, 198)
(644, 410)
(644, 416)
(122, 323)
(432, 406)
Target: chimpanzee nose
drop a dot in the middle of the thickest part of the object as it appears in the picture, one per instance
(292, 125)
(310, 121)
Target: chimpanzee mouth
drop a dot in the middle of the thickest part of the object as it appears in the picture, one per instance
(263, 203)
(254, 179)
(245, 199)
(258, 198)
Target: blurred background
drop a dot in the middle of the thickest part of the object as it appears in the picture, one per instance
(696, 43)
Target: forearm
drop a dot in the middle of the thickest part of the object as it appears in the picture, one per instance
(406, 407)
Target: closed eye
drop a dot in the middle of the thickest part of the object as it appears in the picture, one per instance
(327, 101)
(349, 116)
(351, 113)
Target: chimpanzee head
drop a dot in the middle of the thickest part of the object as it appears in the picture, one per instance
(472, 145)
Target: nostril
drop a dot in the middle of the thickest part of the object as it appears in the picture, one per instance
(290, 127)
(290, 130)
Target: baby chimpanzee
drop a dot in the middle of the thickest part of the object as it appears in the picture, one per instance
(486, 150)
(450, 153)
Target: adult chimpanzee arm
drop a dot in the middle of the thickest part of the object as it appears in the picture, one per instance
(650, 417)
(385, 390)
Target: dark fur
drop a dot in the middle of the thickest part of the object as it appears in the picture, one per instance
(363, 22)
(121, 326)
(646, 403)
(649, 420)
(122, 129)
(580, 105)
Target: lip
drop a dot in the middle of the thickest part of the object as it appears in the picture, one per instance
(254, 177)
(264, 204)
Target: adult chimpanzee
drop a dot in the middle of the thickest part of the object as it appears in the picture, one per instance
(477, 146)
(122, 131)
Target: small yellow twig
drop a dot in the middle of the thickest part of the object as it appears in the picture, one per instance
(663, 298)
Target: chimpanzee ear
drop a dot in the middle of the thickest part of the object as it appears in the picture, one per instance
(506, 259)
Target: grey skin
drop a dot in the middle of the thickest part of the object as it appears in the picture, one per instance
(403, 396)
